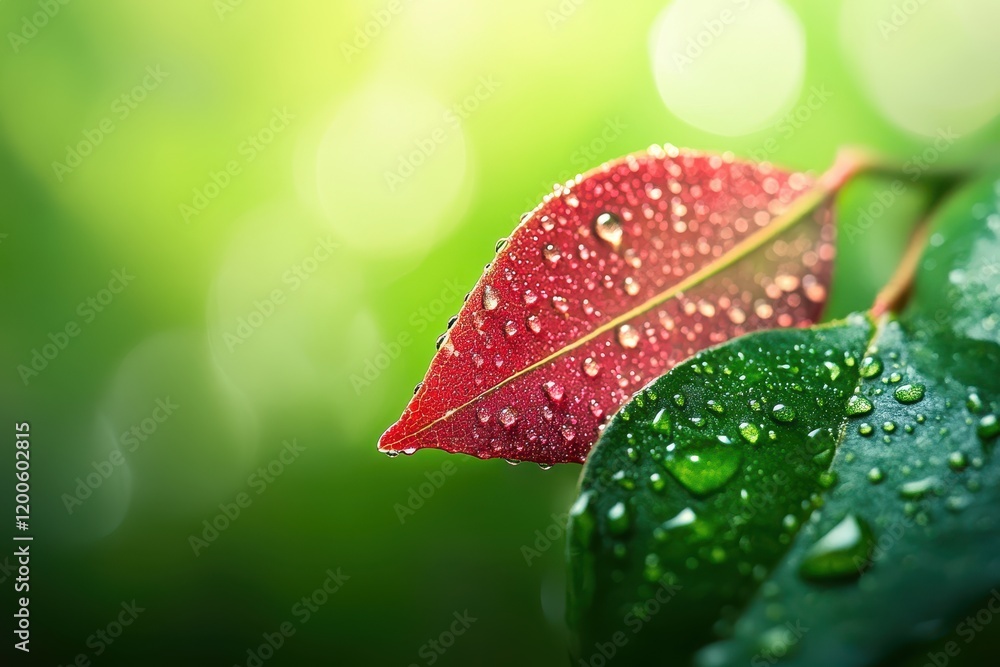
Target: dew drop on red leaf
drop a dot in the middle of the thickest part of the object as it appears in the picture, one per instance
(608, 284)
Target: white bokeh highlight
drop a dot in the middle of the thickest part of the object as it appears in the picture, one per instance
(730, 67)
(927, 66)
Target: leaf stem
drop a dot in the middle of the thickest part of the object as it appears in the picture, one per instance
(896, 292)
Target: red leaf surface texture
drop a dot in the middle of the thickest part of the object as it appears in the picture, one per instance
(614, 279)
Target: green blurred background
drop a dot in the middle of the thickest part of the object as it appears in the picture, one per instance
(295, 197)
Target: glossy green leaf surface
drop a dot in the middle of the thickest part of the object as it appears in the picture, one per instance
(823, 497)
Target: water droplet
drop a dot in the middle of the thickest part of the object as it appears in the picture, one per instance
(661, 423)
(974, 403)
(608, 229)
(705, 470)
(510, 329)
(683, 518)
(507, 417)
(452, 320)
(657, 482)
(560, 303)
(918, 489)
(858, 405)
(631, 286)
(513, 462)
(866, 429)
(568, 433)
(715, 407)
(417, 387)
(679, 400)
(618, 519)
(529, 297)
(628, 336)
(501, 244)
(876, 476)
(490, 298)
(827, 479)
(783, 413)
(833, 368)
(844, 552)
(909, 393)
(534, 323)
(749, 432)
(483, 414)
(870, 367)
(888, 427)
(554, 390)
(957, 461)
(551, 253)
(988, 427)
(590, 367)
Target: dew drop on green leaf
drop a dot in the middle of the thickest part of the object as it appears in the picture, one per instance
(706, 470)
(974, 403)
(858, 405)
(783, 413)
(661, 423)
(918, 489)
(843, 552)
(749, 432)
(957, 461)
(876, 476)
(909, 393)
(988, 427)
(618, 519)
(870, 367)
(866, 429)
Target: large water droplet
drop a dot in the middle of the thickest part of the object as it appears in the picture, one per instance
(534, 323)
(507, 417)
(783, 413)
(661, 423)
(590, 367)
(608, 229)
(554, 390)
(560, 303)
(870, 367)
(919, 488)
(551, 253)
(490, 298)
(842, 553)
(749, 432)
(631, 286)
(628, 336)
(988, 427)
(858, 405)
(706, 469)
(618, 519)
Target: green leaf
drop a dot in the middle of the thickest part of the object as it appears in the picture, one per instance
(826, 495)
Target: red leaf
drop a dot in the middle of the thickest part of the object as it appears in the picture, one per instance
(607, 285)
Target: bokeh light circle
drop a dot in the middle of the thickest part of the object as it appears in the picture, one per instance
(929, 67)
(390, 169)
(728, 67)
